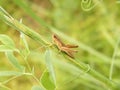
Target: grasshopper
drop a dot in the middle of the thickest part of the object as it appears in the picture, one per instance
(64, 47)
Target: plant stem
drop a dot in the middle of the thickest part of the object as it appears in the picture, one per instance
(21, 27)
(11, 79)
(104, 80)
(113, 59)
(1, 85)
(29, 68)
(35, 78)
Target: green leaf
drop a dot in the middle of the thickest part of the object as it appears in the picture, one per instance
(14, 61)
(37, 88)
(25, 50)
(4, 48)
(46, 81)
(9, 73)
(6, 40)
(49, 65)
(8, 44)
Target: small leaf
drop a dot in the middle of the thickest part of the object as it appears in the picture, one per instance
(4, 48)
(25, 50)
(6, 40)
(49, 65)
(14, 61)
(8, 44)
(46, 81)
(37, 88)
(9, 73)
(33, 71)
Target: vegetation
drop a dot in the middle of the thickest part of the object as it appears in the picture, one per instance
(30, 60)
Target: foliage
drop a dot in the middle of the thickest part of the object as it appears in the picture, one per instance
(33, 62)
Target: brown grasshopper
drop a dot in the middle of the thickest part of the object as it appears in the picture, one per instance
(64, 47)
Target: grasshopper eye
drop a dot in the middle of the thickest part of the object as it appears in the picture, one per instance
(54, 36)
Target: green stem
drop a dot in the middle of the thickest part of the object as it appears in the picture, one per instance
(28, 66)
(104, 80)
(21, 27)
(113, 59)
(1, 85)
(11, 79)
(35, 78)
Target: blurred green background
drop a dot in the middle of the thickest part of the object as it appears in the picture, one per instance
(95, 27)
